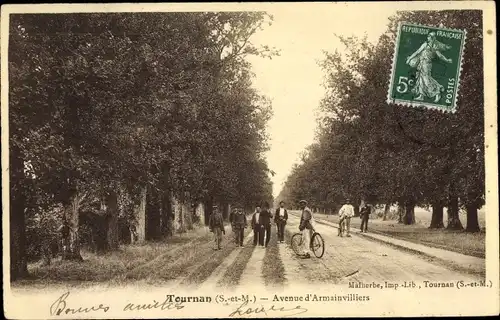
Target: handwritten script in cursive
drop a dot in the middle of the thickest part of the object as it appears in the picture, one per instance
(165, 305)
(246, 309)
(60, 306)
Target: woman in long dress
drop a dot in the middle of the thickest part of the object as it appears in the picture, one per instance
(426, 85)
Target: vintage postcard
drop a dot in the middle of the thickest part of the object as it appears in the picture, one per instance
(249, 160)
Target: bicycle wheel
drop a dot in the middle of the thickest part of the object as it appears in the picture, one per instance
(296, 242)
(317, 245)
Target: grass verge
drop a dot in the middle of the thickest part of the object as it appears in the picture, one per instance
(472, 244)
(232, 276)
(129, 262)
(273, 270)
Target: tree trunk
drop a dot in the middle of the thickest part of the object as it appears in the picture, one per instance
(166, 214)
(187, 212)
(453, 215)
(200, 212)
(73, 218)
(225, 210)
(410, 213)
(179, 226)
(401, 213)
(208, 210)
(112, 213)
(472, 219)
(140, 214)
(100, 225)
(153, 216)
(356, 210)
(387, 208)
(437, 216)
(18, 260)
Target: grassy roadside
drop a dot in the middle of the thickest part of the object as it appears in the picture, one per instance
(180, 257)
(472, 244)
(273, 270)
(233, 273)
(203, 271)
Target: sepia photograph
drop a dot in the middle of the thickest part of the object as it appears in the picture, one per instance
(243, 160)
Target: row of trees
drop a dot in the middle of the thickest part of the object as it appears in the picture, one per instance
(369, 150)
(131, 117)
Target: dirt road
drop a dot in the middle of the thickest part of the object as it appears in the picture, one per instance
(192, 263)
(346, 259)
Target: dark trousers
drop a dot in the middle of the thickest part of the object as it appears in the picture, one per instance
(258, 235)
(364, 223)
(267, 230)
(239, 234)
(281, 230)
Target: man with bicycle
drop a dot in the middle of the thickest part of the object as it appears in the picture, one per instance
(345, 214)
(307, 229)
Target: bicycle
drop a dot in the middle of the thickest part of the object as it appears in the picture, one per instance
(317, 244)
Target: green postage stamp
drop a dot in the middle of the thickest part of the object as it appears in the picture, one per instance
(426, 67)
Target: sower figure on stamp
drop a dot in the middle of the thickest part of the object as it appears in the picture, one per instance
(426, 85)
(306, 227)
(257, 227)
(280, 218)
(216, 225)
(346, 213)
(239, 223)
(365, 216)
(266, 217)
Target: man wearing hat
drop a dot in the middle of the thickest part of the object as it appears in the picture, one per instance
(365, 215)
(265, 219)
(280, 218)
(239, 223)
(345, 214)
(307, 229)
(216, 225)
(257, 227)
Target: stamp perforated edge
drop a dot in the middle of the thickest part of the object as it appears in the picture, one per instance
(426, 105)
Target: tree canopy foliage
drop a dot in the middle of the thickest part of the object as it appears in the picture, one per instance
(103, 105)
(369, 150)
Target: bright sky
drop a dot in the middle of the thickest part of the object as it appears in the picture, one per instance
(294, 80)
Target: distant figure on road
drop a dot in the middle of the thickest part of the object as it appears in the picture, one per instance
(216, 225)
(365, 215)
(266, 217)
(346, 213)
(306, 227)
(239, 223)
(257, 227)
(280, 218)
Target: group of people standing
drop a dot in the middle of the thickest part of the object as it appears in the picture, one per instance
(260, 223)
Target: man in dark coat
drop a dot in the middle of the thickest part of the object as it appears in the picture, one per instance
(239, 223)
(266, 217)
(280, 218)
(216, 225)
(257, 227)
(365, 216)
